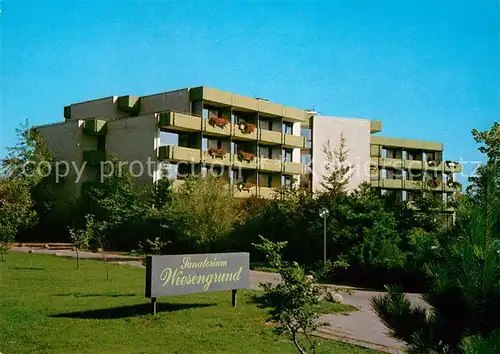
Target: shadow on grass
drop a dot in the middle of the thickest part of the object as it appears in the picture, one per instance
(110, 259)
(28, 268)
(128, 311)
(263, 300)
(96, 294)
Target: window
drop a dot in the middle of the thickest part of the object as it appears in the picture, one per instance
(101, 143)
(288, 128)
(287, 181)
(266, 152)
(287, 155)
(269, 181)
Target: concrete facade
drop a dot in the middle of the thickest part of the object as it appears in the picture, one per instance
(205, 129)
(135, 141)
(327, 131)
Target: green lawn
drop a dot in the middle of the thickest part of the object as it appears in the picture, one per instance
(47, 306)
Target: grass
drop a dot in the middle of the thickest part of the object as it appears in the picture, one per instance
(47, 306)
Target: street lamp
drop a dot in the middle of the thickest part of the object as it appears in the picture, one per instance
(323, 213)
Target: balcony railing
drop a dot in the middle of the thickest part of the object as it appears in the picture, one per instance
(447, 166)
(269, 136)
(245, 160)
(179, 153)
(217, 126)
(388, 183)
(244, 131)
(216, 157)
(270, 165)
(292, 168)
(452, 167)
(294, 141)
(244, 190)
(453, 187)
(266, 192)
(180, 121)
(434, 184)
(413, 184)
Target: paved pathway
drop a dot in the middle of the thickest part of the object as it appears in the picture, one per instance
(361, 327)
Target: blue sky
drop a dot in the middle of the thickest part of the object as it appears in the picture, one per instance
(429, 70)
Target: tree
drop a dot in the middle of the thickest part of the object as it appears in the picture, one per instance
(295, 301)
(98, 231)
(81, 239)
(23, 177)
(464, 295)
(490, 146)
(29, 160)
(124, 207)
(202, 213)
(463, 282)
(338, 170)
(16, 210)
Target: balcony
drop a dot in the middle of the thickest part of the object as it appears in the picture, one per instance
(433, 165)
(180, 121)
(452, 167)
(434, 184)
(294, 168)
(271, 137)
(179, 153)
(388, 183)
(95, 126)
(245, 160)
(413, 184)
(389, 163)
(266, 192)
(270, 165)
(244, 131)
(413, 164)
(245, 190)
(453, 187)
(94, 157)
(216, 157)
(217, 126)
(294, 141)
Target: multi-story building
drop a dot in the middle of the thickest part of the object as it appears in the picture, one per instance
(257, 145)
(401, 167)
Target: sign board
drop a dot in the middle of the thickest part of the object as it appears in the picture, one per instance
(196, 273)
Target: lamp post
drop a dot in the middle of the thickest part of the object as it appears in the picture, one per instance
(323, 213)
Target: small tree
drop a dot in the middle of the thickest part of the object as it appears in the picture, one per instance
(338, 169)
(81, 240)
(97, 231)
(295, 300)
(151, 246)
